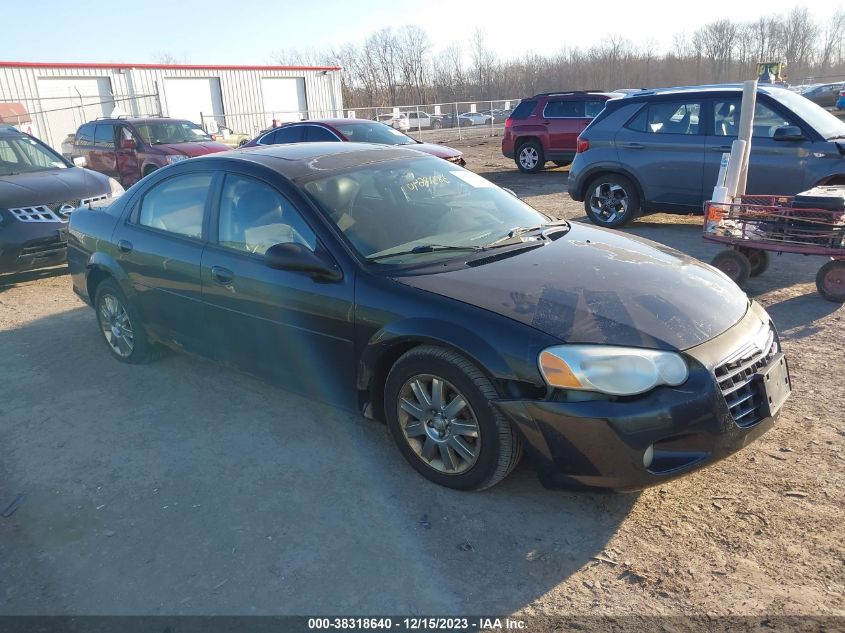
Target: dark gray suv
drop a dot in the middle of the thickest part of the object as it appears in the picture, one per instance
(659, 150)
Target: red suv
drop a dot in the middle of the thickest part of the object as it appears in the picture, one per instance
(129, 149)
(546, 127)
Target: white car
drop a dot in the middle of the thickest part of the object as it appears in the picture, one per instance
(475, 118)
(397, 121)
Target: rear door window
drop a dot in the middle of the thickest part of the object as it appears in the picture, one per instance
(570, 109)
(524, 109)
(292, 134)
(177, 205)
(667, 117)
(85, 135)
(316, 133)
(592, 108)
(104, 136)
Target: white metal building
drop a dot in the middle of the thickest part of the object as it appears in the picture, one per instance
(60, 97)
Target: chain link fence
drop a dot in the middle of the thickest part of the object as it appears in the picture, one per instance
(434, 122)
(54, 119)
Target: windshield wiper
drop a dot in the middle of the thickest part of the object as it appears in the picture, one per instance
(516, 234)
(424, 248)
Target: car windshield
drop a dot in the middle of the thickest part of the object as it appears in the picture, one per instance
(427, 204)
(374, 132)
(161, 132)
(827, 125)
(21, 154)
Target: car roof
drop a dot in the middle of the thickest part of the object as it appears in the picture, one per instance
(712, 88)
(304, 161)
(331, 122)
(145, 119)
(10, 130)
(575, 93)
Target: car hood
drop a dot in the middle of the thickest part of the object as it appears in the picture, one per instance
(599, 286)
(193, 149)
(441, 151)
(52, 185)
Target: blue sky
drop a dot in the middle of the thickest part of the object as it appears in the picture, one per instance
(249, 31)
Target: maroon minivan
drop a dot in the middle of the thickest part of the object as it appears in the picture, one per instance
(129, 149)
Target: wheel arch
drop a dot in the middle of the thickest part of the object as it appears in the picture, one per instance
(596, 172)
(832, 179)
(101, 267)
(387, 345)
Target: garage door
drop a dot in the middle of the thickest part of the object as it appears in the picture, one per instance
(62, 96)
(284, 97)
(188, 97)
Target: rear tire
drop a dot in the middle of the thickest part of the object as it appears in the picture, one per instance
(830, 281)
(611, 201)
(735, 265)
(121, 326)
(459, 439)
(759, 260)
(529, 157)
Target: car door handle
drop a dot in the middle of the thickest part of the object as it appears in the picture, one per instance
(222, 276)
(124, 246)
(721, 148)
(633, 145)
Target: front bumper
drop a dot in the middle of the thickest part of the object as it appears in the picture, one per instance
(604, 444)
(28, 245)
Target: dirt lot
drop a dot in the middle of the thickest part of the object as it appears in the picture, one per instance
(184, 487)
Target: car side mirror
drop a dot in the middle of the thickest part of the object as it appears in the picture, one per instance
(298, 258)
(127, 143)
(788, 133)
(80, 161)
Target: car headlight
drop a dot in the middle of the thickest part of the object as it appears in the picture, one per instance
(618, 371)
(175, 158)
(116, 189)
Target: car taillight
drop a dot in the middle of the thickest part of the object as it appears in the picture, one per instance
(508, 123)
(582, 146)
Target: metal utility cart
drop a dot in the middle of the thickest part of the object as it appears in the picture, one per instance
(754, 226)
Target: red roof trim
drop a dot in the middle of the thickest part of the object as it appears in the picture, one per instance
(157, 66)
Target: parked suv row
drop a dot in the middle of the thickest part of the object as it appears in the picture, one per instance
(661, 149)
(546, 127)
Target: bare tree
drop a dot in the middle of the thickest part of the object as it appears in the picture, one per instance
(412, 47)
(831, 46)
(170, 59)
(393, 67)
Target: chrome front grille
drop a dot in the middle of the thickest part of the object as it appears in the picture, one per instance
(53, 211)
(735, 376)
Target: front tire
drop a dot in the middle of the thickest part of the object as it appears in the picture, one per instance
(439, 412)
(120, 324)
(612, 201)
(735, 265)
(530, 158)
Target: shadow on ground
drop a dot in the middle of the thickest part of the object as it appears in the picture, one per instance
(9, 281)
(184, 487)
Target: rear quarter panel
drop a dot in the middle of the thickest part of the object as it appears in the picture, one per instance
(603, 155)
(89, 245)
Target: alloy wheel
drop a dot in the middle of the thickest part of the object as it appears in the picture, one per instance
(439, 424)
(116, 327)
(609, 201)
(528, 157)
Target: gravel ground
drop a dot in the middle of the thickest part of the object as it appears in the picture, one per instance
(185, 487)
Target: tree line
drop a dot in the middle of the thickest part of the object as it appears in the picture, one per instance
(400, 66)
